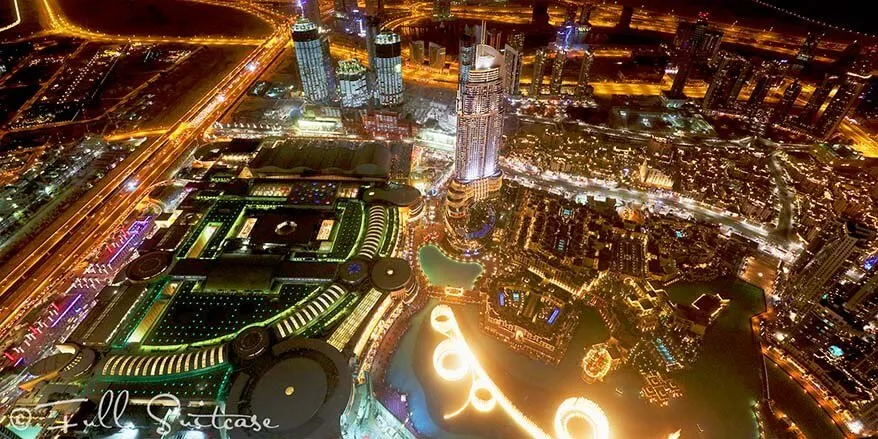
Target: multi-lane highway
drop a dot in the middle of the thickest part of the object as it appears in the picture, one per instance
(55, 22)
(28, 277)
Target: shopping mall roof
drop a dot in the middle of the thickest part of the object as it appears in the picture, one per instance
(369, 160)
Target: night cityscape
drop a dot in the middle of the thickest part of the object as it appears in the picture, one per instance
(467, 219)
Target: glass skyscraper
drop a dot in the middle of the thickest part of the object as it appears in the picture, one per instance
(312, 56)
(388, 68)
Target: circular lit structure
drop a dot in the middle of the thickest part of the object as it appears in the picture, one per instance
(581, 408)
(596, 363)
(484, 395)
(391, 274)
(251, 343)
(286, 228)
(444, 358)
(481, 397)
(302, 386)
(442, 319)
(354, 271)
(148, 266)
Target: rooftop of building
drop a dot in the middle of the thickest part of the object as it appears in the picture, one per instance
(368, 160)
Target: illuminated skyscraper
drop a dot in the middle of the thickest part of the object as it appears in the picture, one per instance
(388, 68)
(352, 88)
(513, 55)
(690, 36)
(557, 78)
(516, 40)
(539, 67)
(848, 95)
(312, 56)
(764, 78)
(808, 284)
(479, 130)
(417, 52)
(818, 97)
(721, 92)
(583, 89)
(704, 40)
(843, 103)
(437, 56)
(783, 109)
(708, 51)
(480, 118)
(512, 58)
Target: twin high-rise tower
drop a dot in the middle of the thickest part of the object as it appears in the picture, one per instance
(319, 79)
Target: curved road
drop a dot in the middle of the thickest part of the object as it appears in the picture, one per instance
(52, 255)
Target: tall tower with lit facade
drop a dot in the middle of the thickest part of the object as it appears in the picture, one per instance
(818, 97)
(372, 25)
(843, 103)
(807, 285)
(479, 130)
(762, 85)
(352, 88)
(538, 68)
(512, 56)
(690, 43)
(480, 118)
(583, 89)
(557, 78)
(388, 68)
(312, 57)
(722, 91)
(783, 109)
